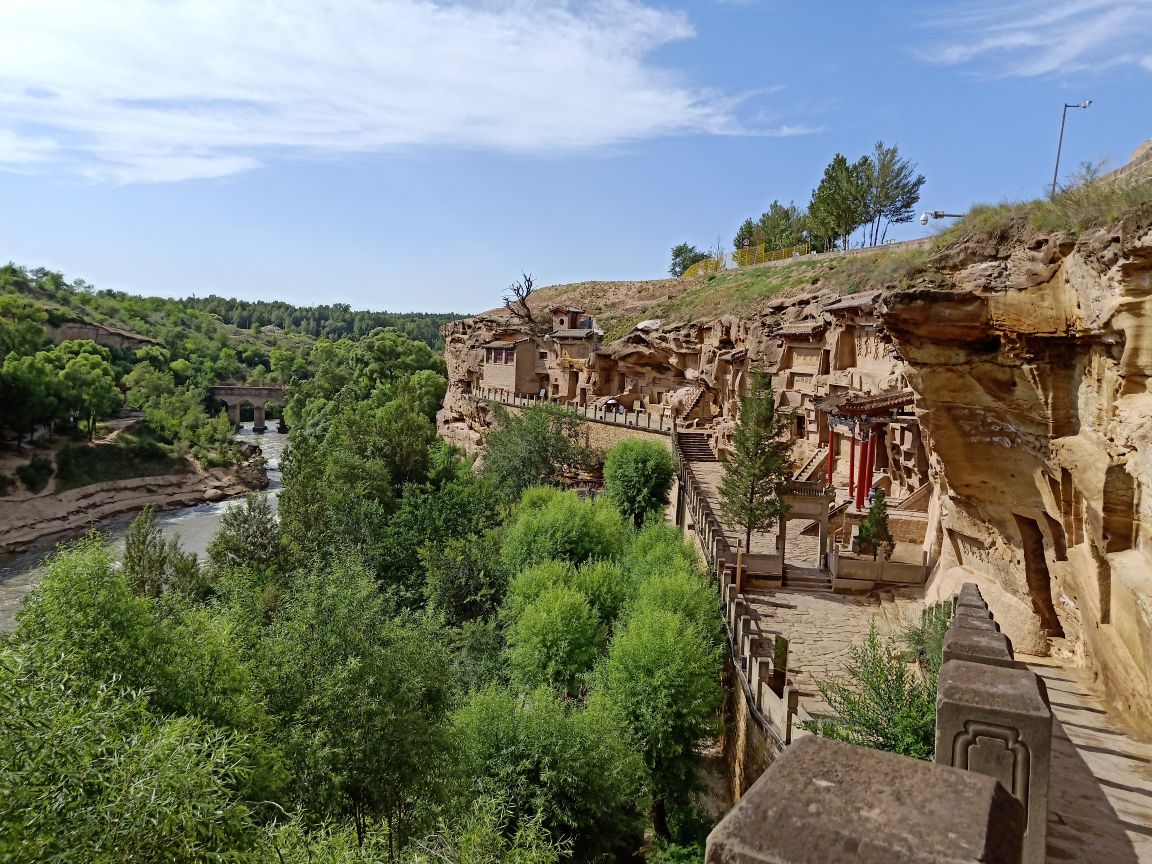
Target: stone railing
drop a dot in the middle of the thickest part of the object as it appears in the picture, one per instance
(693, 502)
(984, 799)
(760, 658)
(647, 421)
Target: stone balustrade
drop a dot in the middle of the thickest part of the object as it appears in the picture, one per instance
(984, 799)
(648, 421)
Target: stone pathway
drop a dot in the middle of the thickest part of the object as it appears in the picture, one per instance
(820, 628)
(798, 548)
(1100, 795)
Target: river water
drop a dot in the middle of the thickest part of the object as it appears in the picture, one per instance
(195, 527)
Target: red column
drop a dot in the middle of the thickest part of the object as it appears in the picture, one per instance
(831, 453)
(852, 466)
(861, 482)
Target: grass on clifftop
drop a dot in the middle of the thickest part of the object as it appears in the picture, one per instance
(620, 306)
(1083, 207)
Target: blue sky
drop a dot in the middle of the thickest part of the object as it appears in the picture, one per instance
(409, 155)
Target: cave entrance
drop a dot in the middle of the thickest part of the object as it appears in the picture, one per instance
(1036, 572)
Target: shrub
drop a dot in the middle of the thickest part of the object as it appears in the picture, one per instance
(925, 638)
(6, 484)
(555, 640)
(35, 474)
(571, 769)
(527, 586)
(883, 702)
(638, 477)
(565, 529)
(83, 466)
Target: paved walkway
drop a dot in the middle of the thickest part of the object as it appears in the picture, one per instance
(821, 628)
(1100, 795)
(798, 549)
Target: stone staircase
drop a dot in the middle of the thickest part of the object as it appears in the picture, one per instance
(694, 447)
(806, 579)
(695, 409)
(814, 462)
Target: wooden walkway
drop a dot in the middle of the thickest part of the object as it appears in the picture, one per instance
(1100, 795)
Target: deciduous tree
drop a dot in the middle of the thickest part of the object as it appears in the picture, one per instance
(756, 474)
(638, 477)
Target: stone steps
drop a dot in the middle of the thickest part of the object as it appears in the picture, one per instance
(807, 582)
(695, 447)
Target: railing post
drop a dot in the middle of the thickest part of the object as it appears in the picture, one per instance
(993, 717)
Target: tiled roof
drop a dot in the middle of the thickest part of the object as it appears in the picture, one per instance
(582, 333)
(806, 328)
(854, 301)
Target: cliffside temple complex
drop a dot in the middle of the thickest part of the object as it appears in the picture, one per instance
(1000, 398)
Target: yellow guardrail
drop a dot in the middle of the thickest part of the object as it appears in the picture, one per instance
(761, 254)
(744, 257)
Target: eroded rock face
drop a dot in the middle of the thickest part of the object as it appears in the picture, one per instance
(1029, 357)
(1031, 373)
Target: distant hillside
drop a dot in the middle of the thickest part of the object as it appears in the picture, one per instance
(252, 327)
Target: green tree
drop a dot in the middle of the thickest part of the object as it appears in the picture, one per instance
(29, 393)
(638, 477)
(874, 531)
(839, 204)
(534, 448)
(361, 696)
(90, 389)
(153, 566)
(555, 640)
(683, 257)
(782, 227)
(572, 769)
(881, 701)
(93, 775)
(465, 577)
(756, 474)
(564, 529)
(21, 326)
(147, 385)
(661, 680)
(248, 536)
(893, 191)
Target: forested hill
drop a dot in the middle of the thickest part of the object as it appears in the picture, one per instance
(331, 321)
(242, 323)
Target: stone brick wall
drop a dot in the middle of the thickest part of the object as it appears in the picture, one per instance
(748, 750)
(602, 437)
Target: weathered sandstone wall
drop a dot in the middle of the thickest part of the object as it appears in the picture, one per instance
(1029, 357)
(1031, 370)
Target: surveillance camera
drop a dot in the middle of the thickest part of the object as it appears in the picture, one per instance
(924, 218)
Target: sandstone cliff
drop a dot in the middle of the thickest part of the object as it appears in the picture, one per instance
(1028, 356)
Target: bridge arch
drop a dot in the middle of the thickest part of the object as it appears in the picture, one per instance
(235, 394)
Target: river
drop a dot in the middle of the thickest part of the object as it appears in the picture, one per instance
(195, 527)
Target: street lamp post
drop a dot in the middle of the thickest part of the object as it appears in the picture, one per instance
(1060, 144)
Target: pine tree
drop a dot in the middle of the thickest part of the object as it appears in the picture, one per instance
(756, 475)
(874, 531)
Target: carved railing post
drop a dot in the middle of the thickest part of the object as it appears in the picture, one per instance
(824, 801)
(993, 716)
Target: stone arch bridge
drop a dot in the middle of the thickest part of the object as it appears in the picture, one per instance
(234, 394)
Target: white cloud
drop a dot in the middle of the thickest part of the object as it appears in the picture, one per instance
(164, 90)
(1039, 37)
(20, 150)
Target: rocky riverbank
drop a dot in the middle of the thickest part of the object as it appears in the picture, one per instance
(27, 519)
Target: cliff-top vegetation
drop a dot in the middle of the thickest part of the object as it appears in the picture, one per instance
(1087, 204)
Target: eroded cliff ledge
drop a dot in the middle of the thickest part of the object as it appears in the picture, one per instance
(1030, 363)
(1028, 441)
